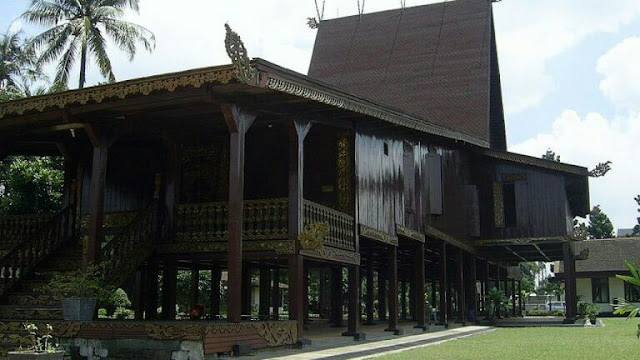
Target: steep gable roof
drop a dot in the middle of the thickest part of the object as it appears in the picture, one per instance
(432, 61)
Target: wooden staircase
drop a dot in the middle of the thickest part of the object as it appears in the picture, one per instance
(32, 263)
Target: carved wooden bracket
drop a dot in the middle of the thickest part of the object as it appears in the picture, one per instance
(239, 57)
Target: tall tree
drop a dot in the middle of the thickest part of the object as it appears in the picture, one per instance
(636, 229)
(78, 27)
(600, 227)
(551, 155)
(18, 65)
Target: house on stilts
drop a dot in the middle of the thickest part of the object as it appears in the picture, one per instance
(385, 166)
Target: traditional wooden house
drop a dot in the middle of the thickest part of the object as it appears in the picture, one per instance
(389, 160)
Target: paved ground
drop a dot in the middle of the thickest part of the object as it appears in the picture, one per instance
(378, 343)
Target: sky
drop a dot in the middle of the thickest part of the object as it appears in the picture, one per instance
(569, 69)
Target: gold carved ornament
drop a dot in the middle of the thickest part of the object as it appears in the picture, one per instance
(312, 237)
(239, 57)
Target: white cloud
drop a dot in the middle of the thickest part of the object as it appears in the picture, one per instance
(588, 140)
(621, 72)
(531, 32)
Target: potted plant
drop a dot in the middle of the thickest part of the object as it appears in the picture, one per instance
(79, 291)
(591, 312)
(42, 346)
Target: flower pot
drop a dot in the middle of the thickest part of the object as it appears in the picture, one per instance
(30, 355)
(593, 321)
(78, 309)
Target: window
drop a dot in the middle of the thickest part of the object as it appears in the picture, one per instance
(631, 292)
(509, 196)
(600, 290)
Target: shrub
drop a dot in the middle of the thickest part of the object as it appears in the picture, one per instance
(123, 313)
(116, 299)
(102, 313)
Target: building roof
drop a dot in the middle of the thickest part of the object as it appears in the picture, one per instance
(437, 62)
(608, 255)
(625, 232)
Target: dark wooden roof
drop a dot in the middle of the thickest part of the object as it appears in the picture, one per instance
(437, 62)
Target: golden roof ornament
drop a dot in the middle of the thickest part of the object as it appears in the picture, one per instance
(239, 57)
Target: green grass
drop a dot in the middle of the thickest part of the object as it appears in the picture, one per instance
(616, 340)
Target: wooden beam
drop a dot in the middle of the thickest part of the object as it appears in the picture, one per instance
(444, 291)
(216, 275)
(462, 306)
(569, 283)
(275, 294)
(419, 282)
(91, 255)
(353, 324)
(393, 289)
(238, 121)
(265, 293)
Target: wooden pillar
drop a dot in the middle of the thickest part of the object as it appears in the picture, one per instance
(393, 290)
(151, 291)
(91, 253)
(520, 298)
(513, 298)
(382, 295)
(171, 182)
(462, 306)
(169, 279)
(484, 285)
(419, 280)
(275, 294)
(473, 290)
(336, 296)
(403, 300)
(444, 286)
(569, 282)
(194, 287)
(216, 276)
(353, 323)
(265, 293)
(370, 289)
(138, 295)
(306, 273)
(296, 311)
(238, 121)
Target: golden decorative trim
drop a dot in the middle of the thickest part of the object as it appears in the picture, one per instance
(498, 205)
(365, 107)
(333, 254)
(312, 237)
(378, 235)
(279, 246)
(239, 57)
(523, 241)
(174, 332)
(120, 90)
(410, 233)
(277, 333)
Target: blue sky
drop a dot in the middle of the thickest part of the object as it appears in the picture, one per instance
(568, 67)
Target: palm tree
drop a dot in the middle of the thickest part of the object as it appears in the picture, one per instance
(80, 26)
(18, 63)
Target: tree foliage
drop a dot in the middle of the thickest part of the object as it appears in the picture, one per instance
(30, 185)
(18, 67)
(78, 28)
(600, 227)
(551, 155)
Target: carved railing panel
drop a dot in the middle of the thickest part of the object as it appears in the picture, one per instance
(25, 255)
(16, 228)
(341, 234)
(130, 248)
(263, 219)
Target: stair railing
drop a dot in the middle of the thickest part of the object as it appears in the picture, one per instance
(130, 248)
(25, 255)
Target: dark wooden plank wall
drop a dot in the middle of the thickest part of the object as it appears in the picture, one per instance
(381, 182)
(130, 178)
(266, 162)
(456, 194)
(541, 202)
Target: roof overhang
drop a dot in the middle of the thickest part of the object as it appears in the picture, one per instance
(518, 250)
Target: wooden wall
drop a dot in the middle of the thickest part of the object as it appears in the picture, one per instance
(540, 202)
(130, 178)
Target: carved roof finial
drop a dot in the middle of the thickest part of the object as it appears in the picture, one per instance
(239, 57)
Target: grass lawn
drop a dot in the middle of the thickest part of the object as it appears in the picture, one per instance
(616, 340)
